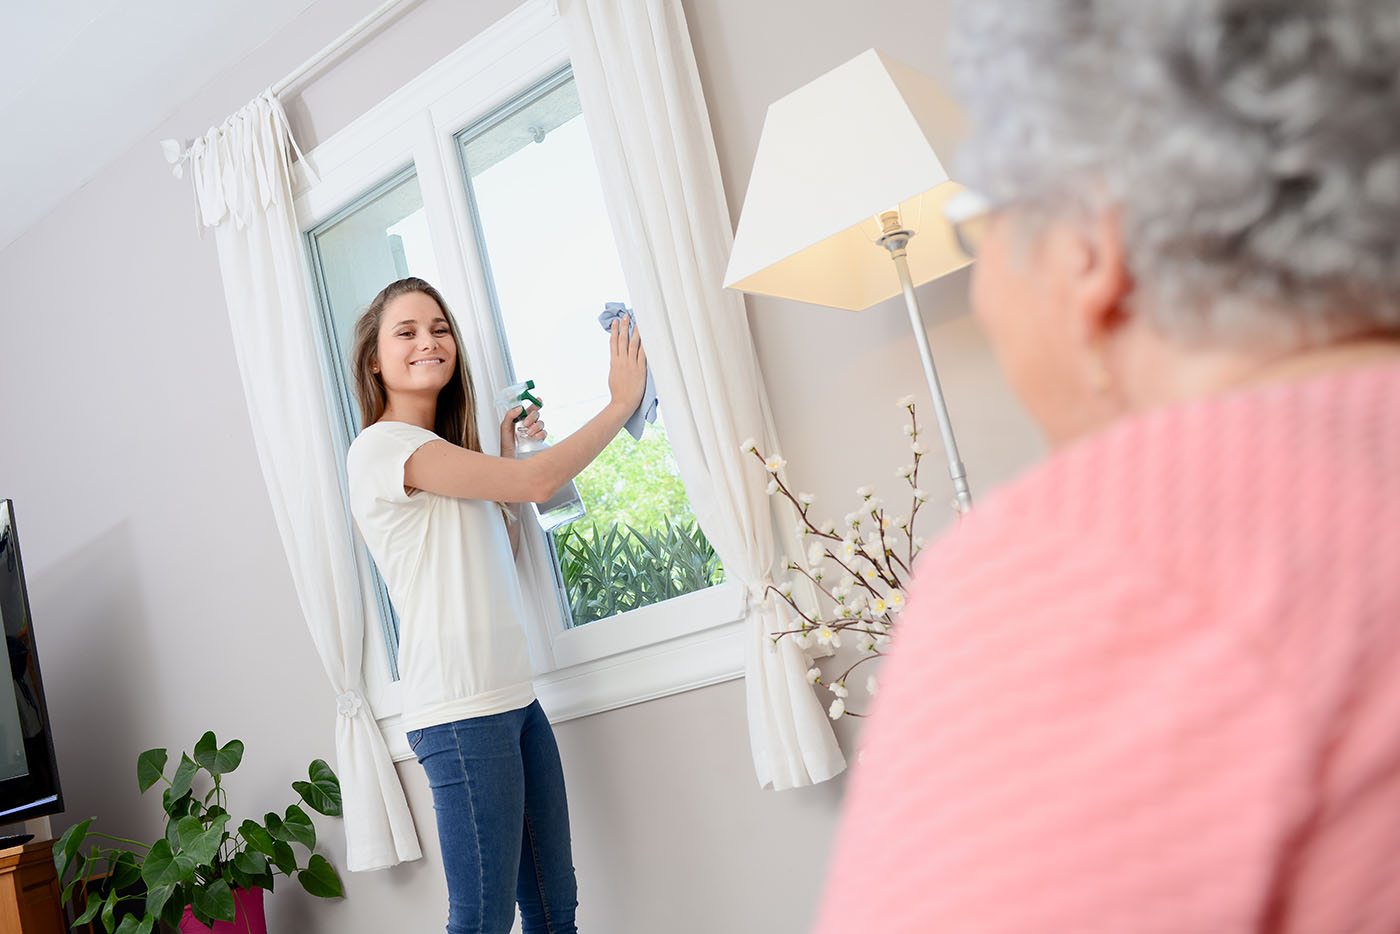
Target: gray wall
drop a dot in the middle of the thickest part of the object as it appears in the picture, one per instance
(158, 583)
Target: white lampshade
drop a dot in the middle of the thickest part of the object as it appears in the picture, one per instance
(859, 140)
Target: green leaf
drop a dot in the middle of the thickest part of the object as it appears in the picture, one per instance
(298, 826)
(165, 867)
(250, 864)
(174, 910)
(214, 901)
(156, 897)
(71, 888)
(150, 767)
(284, 858)
(128, 925)
(218, 760)
(184, 778)
(198, 842)
(92, 907)
(322, 793)
(258, 838)
(68, 845)
(125, 871)
(274, 826)
(229, 757)
(319, 878)
(109, 907)
(206, 749)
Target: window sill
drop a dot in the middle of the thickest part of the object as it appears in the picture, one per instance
(686, 643)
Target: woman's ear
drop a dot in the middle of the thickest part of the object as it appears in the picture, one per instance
(1097, 284)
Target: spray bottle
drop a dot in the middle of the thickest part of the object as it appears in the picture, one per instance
(564, 506)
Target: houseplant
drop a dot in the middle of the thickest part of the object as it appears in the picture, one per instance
(202, 870)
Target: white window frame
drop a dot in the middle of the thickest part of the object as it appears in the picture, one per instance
(666, 648)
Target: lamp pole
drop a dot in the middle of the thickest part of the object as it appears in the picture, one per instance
(895, 238)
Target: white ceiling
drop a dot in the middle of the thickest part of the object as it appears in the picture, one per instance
(81, 81)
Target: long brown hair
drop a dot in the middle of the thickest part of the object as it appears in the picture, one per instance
(455, 417)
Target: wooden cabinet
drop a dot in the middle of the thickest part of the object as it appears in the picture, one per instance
(29, 893)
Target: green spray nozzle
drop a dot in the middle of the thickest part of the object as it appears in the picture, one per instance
(518, 392)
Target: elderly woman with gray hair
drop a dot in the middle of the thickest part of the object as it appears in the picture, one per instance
(1154, 684)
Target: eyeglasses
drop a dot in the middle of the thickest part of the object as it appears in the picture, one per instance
(970, 215)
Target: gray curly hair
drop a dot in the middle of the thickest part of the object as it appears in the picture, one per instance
(1252, 148)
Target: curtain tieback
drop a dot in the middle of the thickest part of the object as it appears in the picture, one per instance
(348, 704)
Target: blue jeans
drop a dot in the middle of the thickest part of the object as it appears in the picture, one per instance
(498, 790)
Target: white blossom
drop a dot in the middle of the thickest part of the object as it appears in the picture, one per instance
(857, 602)
(785, 589)
(775, 464)
(896, 600)
(878, 606)
(772, 487)
(827, 527)
(908, 429)
(802, 639)
(818, 574)
(905, 402)
(826, 636)
(865, 492)
(816, 554)
(839, 689)
(801, 530)
(918, 447)
(882, 641)
(806, 499)
(872, 685)
(837, 709)
(904, 472)
(839, 594)
(870, 575)
(848, 581)
(748, 447)
(918, 542)
(885, 523)
(874, 503)
(920, 495)
(848, 548)
(853, 519)
(814, 675)
(901, 522)
(865, 642)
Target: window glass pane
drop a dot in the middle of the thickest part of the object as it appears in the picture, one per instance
(551, 266)
(381, 237)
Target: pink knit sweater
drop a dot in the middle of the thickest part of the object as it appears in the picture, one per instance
(1152, 686)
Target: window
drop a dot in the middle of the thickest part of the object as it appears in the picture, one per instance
(478, 176)
(542, 233)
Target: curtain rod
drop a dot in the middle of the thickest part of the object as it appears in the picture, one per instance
(176, 151)
(338, 44)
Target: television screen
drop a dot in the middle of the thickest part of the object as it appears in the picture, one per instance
(28, 774)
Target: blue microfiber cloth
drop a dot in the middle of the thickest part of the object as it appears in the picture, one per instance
(646, 412)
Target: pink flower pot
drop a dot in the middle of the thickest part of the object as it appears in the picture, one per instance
(247, 918)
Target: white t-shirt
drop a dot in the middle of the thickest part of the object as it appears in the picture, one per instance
(452, 579)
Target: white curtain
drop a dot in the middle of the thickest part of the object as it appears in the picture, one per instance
(641, 95)
(242, 173)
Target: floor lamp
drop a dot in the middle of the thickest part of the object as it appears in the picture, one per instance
(845, 203)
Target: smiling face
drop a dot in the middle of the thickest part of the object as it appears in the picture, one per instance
(416, 352)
